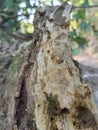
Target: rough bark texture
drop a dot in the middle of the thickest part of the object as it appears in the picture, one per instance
(63, 102)
(48, 94)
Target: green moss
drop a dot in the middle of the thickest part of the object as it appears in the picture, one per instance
(16, 63)
(12, 73)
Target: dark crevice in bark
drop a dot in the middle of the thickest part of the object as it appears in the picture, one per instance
(77, 65)
(85, 118)
(24, 117)
(21, 105)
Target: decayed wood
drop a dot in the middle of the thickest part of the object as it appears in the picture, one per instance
(63, 102)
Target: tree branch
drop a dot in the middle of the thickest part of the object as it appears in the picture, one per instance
(7, 12)
(11, 17)
(85, 6)
(15, 16)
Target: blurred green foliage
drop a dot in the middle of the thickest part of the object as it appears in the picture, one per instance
(5, 37)
(17, 15)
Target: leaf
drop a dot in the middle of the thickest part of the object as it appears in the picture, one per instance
(81, 41)
(76, 51)
(84, 25)
(80, 14)
(11, 5)
(73, 33)
(86, 3)
(74, 24)
(28, 4)
(9, 23)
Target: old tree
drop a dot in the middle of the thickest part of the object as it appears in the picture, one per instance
(47, 92)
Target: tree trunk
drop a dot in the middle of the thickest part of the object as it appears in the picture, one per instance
(49, 93)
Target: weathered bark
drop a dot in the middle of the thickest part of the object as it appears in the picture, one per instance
(49, 94)
(63, 102)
